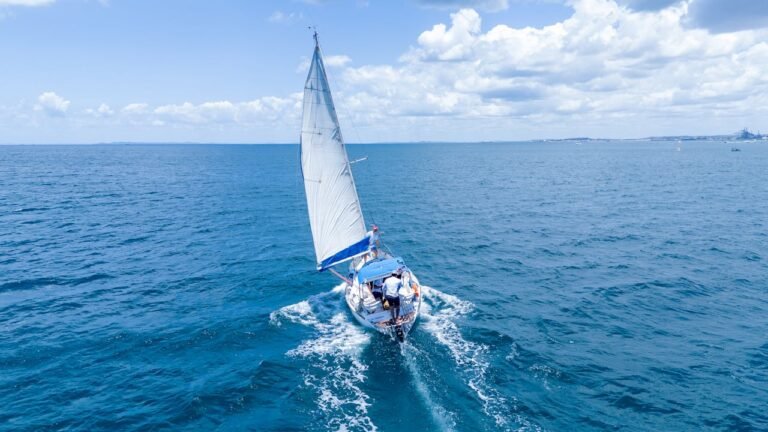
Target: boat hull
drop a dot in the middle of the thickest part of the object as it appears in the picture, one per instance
(378, 320)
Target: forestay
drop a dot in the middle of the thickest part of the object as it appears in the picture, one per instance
(338, 228)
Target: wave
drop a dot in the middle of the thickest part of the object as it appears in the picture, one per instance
(470, 357)
(335, 372)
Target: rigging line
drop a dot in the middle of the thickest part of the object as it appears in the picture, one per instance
(346, 114)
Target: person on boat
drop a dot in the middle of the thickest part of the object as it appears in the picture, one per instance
(377, 289)
(391, 287)
(405, 292)
(374, 241)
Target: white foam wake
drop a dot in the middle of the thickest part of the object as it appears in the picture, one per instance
(335, 372)
(470, 357)
(442, 417)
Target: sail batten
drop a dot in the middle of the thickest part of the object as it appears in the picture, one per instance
(335, 216)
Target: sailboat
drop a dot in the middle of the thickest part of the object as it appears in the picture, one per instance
(336, 219)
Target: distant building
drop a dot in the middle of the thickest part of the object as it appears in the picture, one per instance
(745, 134)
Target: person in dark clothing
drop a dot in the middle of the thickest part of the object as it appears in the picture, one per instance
(391, 288)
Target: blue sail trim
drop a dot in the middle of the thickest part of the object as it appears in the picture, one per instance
(353, 250)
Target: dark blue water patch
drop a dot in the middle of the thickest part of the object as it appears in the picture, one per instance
(173, 287)
(28, 284)
(759, 357)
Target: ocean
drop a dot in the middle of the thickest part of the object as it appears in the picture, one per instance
(574, 286)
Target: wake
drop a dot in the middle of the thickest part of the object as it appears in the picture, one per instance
(335, 373)
(469, 357)
(442, 417)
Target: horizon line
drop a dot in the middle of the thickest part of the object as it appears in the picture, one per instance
(650, 138)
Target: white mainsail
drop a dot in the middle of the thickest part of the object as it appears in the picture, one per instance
(335, 216)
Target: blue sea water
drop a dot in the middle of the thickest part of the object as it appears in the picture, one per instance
(574, 286)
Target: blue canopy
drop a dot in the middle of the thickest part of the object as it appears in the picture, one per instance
(378, 269)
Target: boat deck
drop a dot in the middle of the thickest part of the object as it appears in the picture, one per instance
(372, 310)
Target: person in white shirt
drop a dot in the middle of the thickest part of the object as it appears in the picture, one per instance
(391, 294)
(373, 244)
(405, 291)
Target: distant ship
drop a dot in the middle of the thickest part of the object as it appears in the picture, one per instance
(380, 290)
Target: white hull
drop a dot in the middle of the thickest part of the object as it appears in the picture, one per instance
(370, 313)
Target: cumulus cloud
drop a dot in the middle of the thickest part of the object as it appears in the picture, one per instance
(52, 104)
(337, 60)
(607, 70)
(454, 43)
(208, 112)
(265, 110)
(135, 108)
(102, 111)
(135, 113)
(605, 62)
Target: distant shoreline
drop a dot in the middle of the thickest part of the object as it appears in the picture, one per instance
(726, 138)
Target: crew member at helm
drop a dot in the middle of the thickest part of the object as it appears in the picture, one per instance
(391, 293)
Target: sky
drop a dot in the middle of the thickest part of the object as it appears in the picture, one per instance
(231, 71)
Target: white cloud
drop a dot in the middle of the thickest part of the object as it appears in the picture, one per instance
(29, 3)
(102, 111)
(281, 17)
(135, 114)
(607, 70)
(135, 108)
(208, 112)
(337, 60)
(52, 104)
(263, 111)
(453, 43)
(605, 62)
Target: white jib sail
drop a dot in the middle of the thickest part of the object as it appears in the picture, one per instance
(338, 228)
